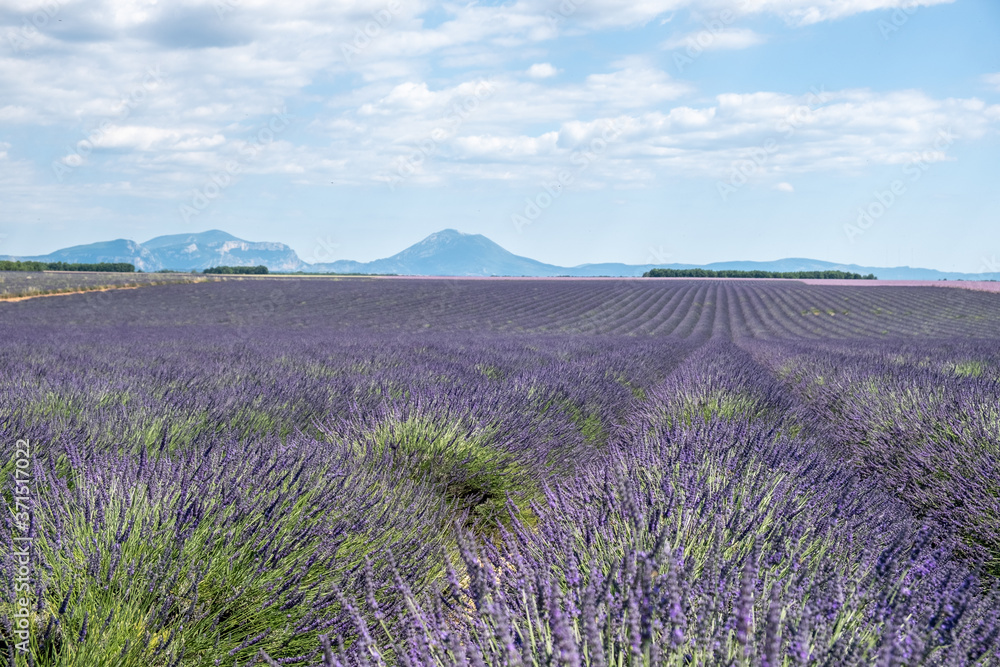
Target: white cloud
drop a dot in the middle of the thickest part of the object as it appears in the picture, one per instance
(499, 148)
(634, 87)
(993, 80)
(528, 131)
(222, 77)
(807, 12)
(224, 68)
(723, 39)
(16, 114)
(135, 136)
(542, 71)
(784, 186)
(599, 14)
(407, 96)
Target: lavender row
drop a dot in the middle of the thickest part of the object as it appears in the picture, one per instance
(921, 418)
(700, 539)
(685, 309)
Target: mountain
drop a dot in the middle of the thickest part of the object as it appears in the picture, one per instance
(182, 252)
(451, 253)
(884, 273)
(445, 253)
(119, 250)
(188, 252)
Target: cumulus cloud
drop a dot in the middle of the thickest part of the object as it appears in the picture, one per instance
(370, 68)
(542, 71)
(721, 39)
(807, 12)
(499, 148)
(596, 14)
(15, 114)
(149, 138)
(525, 131)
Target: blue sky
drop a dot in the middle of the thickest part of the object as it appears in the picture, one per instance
(571, 131)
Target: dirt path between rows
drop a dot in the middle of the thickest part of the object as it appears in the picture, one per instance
(8, 299)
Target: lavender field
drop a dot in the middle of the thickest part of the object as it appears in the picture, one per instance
(501, 472)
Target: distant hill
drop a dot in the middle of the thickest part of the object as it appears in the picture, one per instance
(119, 250)
(451, 253)
(217, 248)
(182, 252)
(445, 253)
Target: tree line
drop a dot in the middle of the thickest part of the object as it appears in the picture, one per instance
(248, 270)
(108, 267)
(733, 273)
(112, 267)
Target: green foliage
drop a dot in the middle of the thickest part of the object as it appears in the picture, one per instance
(972, 369)
(795, 275)
(183, 579)
(104, 267)
(475, 477)
(244, 270)
(9, 265)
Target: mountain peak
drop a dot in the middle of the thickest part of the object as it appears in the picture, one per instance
(183, 252)
(449, 233)
(449, 236)
(212, 237)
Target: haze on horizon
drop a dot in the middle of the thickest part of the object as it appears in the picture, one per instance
(569, 131)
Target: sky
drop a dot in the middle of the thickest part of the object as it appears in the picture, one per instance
(569, 131)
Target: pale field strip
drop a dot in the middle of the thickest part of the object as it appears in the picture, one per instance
(14, 285)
